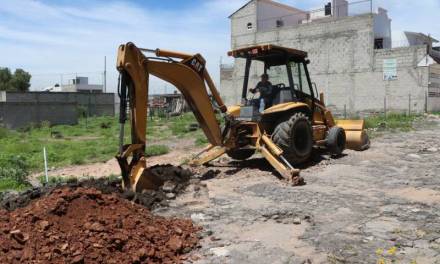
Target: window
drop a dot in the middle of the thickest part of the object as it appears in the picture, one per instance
(280, 23)
(378, 43)
(249, 26)
(300, 78)
(278, 74)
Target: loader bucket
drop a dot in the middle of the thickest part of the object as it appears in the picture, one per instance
(356, 136)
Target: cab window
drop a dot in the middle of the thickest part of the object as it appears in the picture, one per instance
(300, 78)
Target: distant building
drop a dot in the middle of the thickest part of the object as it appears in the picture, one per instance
(408, 39)
(78, 84)
(353, 57)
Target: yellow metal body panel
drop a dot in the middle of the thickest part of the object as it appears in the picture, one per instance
(194, 90)
(209, 155)
(350, 125)
(234, 110)
(130, 59)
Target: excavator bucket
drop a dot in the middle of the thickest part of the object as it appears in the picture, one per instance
(356, 136)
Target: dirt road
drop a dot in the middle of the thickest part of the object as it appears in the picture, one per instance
(365, 207)
(382, 204)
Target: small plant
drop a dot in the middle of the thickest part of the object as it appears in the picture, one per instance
(53, 180)
(386, 256)
(13, 172)
(13, 167)
(201, 140)
(114, 177)
(156, 150)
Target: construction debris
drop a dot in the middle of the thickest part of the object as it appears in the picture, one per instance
(84, 225)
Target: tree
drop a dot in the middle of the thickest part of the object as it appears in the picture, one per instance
(5, 79)
(19, 81)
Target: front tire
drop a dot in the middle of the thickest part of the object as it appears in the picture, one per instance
(295, 138)
(336, 140)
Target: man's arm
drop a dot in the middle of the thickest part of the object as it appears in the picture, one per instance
(256, 89)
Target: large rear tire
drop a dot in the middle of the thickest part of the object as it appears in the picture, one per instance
(295, 138)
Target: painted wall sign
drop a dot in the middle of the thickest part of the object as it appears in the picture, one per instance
(389, 69)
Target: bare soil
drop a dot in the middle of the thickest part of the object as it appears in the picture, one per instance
(364, 207)
(83, 225)
(377, 206)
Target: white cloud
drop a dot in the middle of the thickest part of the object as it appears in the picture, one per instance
(47, 37)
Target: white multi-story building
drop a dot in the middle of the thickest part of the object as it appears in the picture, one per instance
(353, 60)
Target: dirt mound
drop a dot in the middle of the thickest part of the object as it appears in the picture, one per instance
(84, 225)
(173, 179)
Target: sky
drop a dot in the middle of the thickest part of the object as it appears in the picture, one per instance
(58, 40)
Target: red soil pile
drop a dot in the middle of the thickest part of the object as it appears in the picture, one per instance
(82, 225)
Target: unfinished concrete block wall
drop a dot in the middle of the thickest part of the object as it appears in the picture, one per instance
(344, 64)
(434, 88)
(23, 109)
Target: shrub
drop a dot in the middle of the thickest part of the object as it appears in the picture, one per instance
(13, 167)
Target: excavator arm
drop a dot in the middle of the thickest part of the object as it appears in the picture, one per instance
(188, 74)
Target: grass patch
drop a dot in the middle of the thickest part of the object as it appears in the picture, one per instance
(13, 172)
(156, 150)
(92, 140)
(12, 184)
(393, 121)
(201, 140)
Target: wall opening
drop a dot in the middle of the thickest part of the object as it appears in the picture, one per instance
(378, 43)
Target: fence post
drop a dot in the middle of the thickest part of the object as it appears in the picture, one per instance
(345, 111)
(426, 102)
(45, 164)
(385, 107)
(409, 104)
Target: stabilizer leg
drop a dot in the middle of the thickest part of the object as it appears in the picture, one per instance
(274, 155)
(207, 155)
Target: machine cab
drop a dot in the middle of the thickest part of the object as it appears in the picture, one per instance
(288, 78)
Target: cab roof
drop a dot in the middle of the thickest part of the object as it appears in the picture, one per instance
(272, 55)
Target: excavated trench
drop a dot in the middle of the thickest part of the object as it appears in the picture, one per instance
(94, 221)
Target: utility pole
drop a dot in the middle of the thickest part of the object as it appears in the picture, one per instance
(105, 74)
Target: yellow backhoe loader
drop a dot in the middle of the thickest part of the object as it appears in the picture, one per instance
(283, 133)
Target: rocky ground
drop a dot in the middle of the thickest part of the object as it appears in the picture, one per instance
(377, 206)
